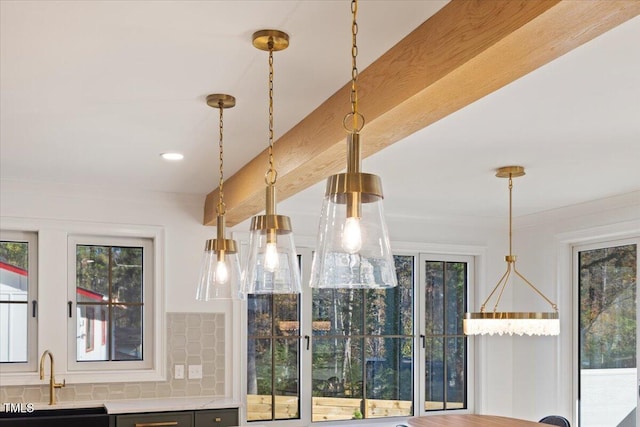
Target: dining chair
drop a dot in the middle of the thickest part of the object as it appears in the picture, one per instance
(555, 420)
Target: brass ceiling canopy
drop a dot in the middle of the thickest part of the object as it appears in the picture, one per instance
(510, 172)
(279, 40)
(221, 100)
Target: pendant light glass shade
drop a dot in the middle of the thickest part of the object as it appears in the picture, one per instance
(353, 242)
(352, 253)
(272, 264)
(219, 279)
(511, 322)
(220, 276)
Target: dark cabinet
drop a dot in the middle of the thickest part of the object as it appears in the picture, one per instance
(216, 418)
(203, 418)
(164, 419)
(97, 417)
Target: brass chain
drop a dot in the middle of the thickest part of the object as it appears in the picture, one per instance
(271, 174)
(357, 120)
(221, 208)
(354, 68)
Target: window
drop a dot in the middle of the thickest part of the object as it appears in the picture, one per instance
(88, 312)
(113, 322)
(363, 350)
(273, 362)
(444, 343)
(18, 301)
(272, 357)
(607, 294)
(369, 354)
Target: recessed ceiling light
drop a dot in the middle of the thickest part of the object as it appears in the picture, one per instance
(172, 156)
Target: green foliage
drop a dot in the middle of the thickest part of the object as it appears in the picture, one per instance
(15, 253)
(356, 350)
(273, 325)
(115, 272)
(608, 307)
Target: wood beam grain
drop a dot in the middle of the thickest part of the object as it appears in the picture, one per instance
(470, 48)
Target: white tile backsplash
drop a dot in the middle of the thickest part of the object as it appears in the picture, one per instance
(192, 338)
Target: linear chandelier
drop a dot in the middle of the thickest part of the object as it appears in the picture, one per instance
(272, 265)
(501, 322)
(220, 270)
(353, 249)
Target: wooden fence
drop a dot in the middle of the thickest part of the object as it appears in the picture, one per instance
(335, 408)
(259, 407)
(326, 408)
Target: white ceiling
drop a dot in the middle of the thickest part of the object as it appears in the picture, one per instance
(92, 92)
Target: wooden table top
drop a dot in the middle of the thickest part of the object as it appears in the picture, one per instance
(469, 420)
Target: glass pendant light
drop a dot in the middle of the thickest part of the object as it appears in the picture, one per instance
(353, 249)
(220, 271)
(501, 322)
(272, 264)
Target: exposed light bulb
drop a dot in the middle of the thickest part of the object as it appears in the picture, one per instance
(352, 235)
(271, 258)
(222, 273)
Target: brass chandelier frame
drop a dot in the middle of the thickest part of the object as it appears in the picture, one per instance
(511, 172)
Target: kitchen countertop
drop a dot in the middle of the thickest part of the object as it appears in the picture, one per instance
(169, 404)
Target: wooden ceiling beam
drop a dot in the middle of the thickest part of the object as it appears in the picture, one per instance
(469, 49)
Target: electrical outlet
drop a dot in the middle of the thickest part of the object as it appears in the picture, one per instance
(178, 372)
(195, 372)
